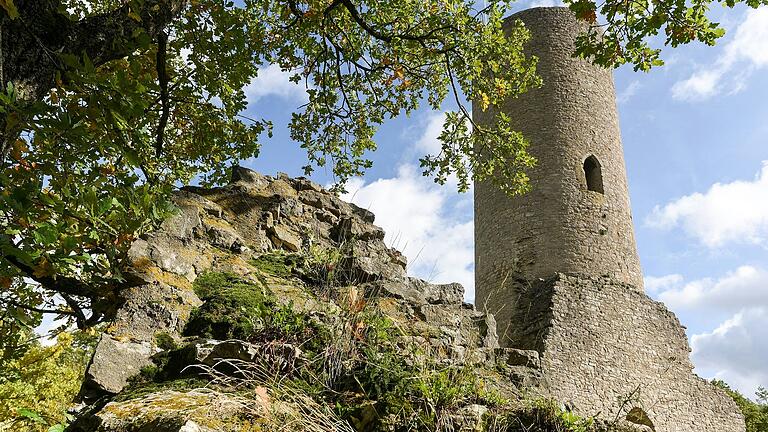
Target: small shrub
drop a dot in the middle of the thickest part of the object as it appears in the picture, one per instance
(165, 341)
(544, 415)
(321, 266)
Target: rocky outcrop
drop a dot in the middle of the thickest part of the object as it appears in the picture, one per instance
(221, 229)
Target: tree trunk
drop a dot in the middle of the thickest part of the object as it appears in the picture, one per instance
(31, 43)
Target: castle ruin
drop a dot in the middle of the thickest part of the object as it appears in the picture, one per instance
(558, 267)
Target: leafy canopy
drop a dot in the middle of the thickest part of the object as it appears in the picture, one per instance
(630, 31)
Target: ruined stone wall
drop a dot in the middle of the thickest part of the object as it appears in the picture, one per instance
(560, 226)
(606, 348)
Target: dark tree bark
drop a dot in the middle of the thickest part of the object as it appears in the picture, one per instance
(30, 45)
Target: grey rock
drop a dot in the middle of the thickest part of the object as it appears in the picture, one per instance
(167, 411)
(224, 236)
(371, 261)
(248, 177)
(487, 329)
(525, 377)
(182, 224)
(240, 350)
(320, 200)
(519, 357)
(469, 418)
(188, 198)
(283, 238)
(419, 292)
(364, 214)
(146, 311)
(113, 362)
(302, 183)
(351, 228)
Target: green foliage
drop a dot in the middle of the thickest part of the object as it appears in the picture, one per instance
(406, 390)
(755, 413)
(544, 415)
(623, 32)
(37, 389)
(321, 266)
(165, 342)
(277, 263)
(236, 308)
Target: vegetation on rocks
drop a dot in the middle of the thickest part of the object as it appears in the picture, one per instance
(755, 412)
(361, 368)
(328, 334)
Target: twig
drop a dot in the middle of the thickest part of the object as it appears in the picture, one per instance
(162, 79)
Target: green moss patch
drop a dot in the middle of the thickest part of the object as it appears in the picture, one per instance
(236, 308)
(278, 264)
(233, 308)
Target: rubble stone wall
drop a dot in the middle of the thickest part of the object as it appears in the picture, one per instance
(606, 349)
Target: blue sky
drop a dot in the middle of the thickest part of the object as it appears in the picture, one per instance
(695, 136)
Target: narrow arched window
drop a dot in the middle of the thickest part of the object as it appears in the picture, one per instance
(593, 174)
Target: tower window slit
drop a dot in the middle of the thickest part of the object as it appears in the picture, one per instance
(593, 174)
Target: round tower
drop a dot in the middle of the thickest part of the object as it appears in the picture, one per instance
(577, 218)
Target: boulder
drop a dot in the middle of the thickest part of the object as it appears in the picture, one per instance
(172, 411)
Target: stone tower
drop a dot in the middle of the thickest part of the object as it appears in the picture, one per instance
(558, 267)
(577, 217)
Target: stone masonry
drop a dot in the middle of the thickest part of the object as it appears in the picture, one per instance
(607, 348)
(558, 267)
(570, 118)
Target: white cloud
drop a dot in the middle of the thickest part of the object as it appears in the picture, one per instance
(273, 81)
(735, 212)
(700, 85)
(417, 217)
(746, 52)
(628, 92)
(546, 3)
(428, 143)
(656, 284)
(736, 351)
(746, 286)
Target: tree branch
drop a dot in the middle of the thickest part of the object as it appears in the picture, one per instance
(162, 79)
(59, 284)
(38, 310)
(114, 35)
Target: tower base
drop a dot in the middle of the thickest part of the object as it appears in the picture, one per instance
(607, 350)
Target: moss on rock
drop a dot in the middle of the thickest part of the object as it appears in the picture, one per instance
(238, 308)
(277, 264)
(233, 307)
